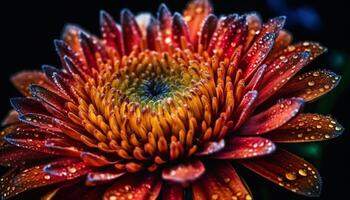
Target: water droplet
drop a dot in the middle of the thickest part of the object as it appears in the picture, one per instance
(214, 196)
(248, 197)
(290, 176)
(337, 128)
(327, 136)
(112, 197)
(72, 169)
(318, 126)
(316, 73)
(316, 118)
(311, 83)
(226, 180)
(302, 172)
(47, 177)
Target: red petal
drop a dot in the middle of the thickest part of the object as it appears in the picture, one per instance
(273, 117)
(184, 173)
(254, 83)
(165, 22)
(94, 160)
(207, 31)
(52, 124)
(27, 105)
(254, 26)
(132, 35)
(172, 192)
(153, 34)
(194, 15)
(66, 168)
(222, 35)
(136, 187)
(24, 180)
(75, 191)
(179, 30)
(307, 127)
(282, 41)
(220, 182)
(111, 32)
(104, 176)
(22, 80)
(211, 147)
(262, 46)
(310, 85)
(245, 108)
(11, 156)
(245, 147)
(288, 171)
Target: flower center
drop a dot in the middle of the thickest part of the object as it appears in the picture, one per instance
(152, 108)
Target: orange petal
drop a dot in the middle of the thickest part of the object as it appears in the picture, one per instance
(273, 117)
(245, 147)
(184, 172)
(172, 192)
(194, 15)
(220, 182)
(94, 160)
(288, 171)
(307, 127)
(22, 80)
(310, 85)
(136, 187)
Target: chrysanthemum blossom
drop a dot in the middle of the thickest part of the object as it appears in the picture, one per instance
(162, 106)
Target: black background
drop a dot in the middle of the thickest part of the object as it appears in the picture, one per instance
(29, 27)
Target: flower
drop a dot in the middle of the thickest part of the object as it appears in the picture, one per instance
(159, 107)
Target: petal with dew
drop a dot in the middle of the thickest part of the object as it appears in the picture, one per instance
(245, 147)
(306, 127)
(194, 15)
(273, 117)
(140, 187)
(310, 85)
(288, 171)
(184, 172)
(220, 182)
(23, 80)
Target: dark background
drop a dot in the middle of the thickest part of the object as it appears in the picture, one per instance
(29, 27)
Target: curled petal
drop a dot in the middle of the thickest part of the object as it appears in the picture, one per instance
(284, 38)
(273, 117)
(211, 147)
(220, 182)
(94, 160)
(310, 85)
(194, 15)
(103, 176)
(11, 118)
(288, 171)
(23, 80)
(172, 191)
(185, 172)
(132, 35)
(245, 108)
(245, 147)
(140, 187)
(307, 127)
